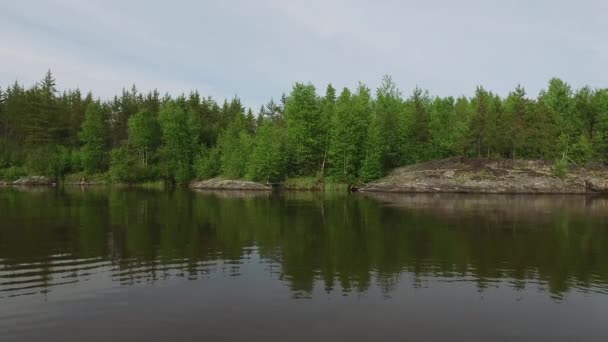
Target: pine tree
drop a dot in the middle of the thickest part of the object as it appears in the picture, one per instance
(250, 122)
(390, 114)
(42, 112)
(417, 146)
(517, 110)
(123, 107)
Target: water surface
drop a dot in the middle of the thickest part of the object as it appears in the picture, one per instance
(134, 265)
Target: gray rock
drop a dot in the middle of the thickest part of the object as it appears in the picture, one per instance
(33, 180)
(228, 184)
(489, 176)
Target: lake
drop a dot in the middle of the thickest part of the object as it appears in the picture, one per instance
(103, 264)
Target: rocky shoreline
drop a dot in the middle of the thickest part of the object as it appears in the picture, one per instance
(228, 184)
(452, 175)
(30, 181)
(467, 175)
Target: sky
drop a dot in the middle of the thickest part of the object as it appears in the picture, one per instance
(257, 49)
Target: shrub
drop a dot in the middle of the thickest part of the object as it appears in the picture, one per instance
(12, 173)
(560, 168)
(120, 165)
(52, 161)
(207, 163)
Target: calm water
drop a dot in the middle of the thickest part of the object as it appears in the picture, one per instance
(102, 265)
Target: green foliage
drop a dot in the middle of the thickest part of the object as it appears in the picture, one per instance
(235, 147)
(121, 166)
(144, 134)
(581, 151)
(417, 128)
(328, 109)
(127, 168)
(304, 183)
(267, 161)
(61, 162)
(12, 173)
(179, 141)
(560, 168)
(354, 138)
(350, 123)
(342, 150)
(372, 167)
(207, 163)
(303, 120)
(390, 114)
(600, 140)
(51, 161)
(93, 135)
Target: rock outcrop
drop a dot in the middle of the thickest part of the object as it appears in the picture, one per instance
(33, 180)
(467, 175)
(228, 184)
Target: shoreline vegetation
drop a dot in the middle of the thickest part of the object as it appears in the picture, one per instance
(451, 175)
(340, 140)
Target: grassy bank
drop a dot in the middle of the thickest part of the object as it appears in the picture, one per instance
(313, 184)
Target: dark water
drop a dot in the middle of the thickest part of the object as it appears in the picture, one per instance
(105, 265)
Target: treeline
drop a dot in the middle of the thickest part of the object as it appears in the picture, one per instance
(345, 136)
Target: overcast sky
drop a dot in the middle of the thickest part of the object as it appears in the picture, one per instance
(258, 49)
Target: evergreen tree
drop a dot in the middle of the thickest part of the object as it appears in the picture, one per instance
(250, 122)
(42, 111)
(517, 110)
(123, 107)
(389, 111)
(416, 147)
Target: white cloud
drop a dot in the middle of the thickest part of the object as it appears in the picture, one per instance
(257, 49)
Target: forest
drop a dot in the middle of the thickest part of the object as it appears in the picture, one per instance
(345, 136)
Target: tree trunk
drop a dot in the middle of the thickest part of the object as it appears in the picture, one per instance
(323, 163)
